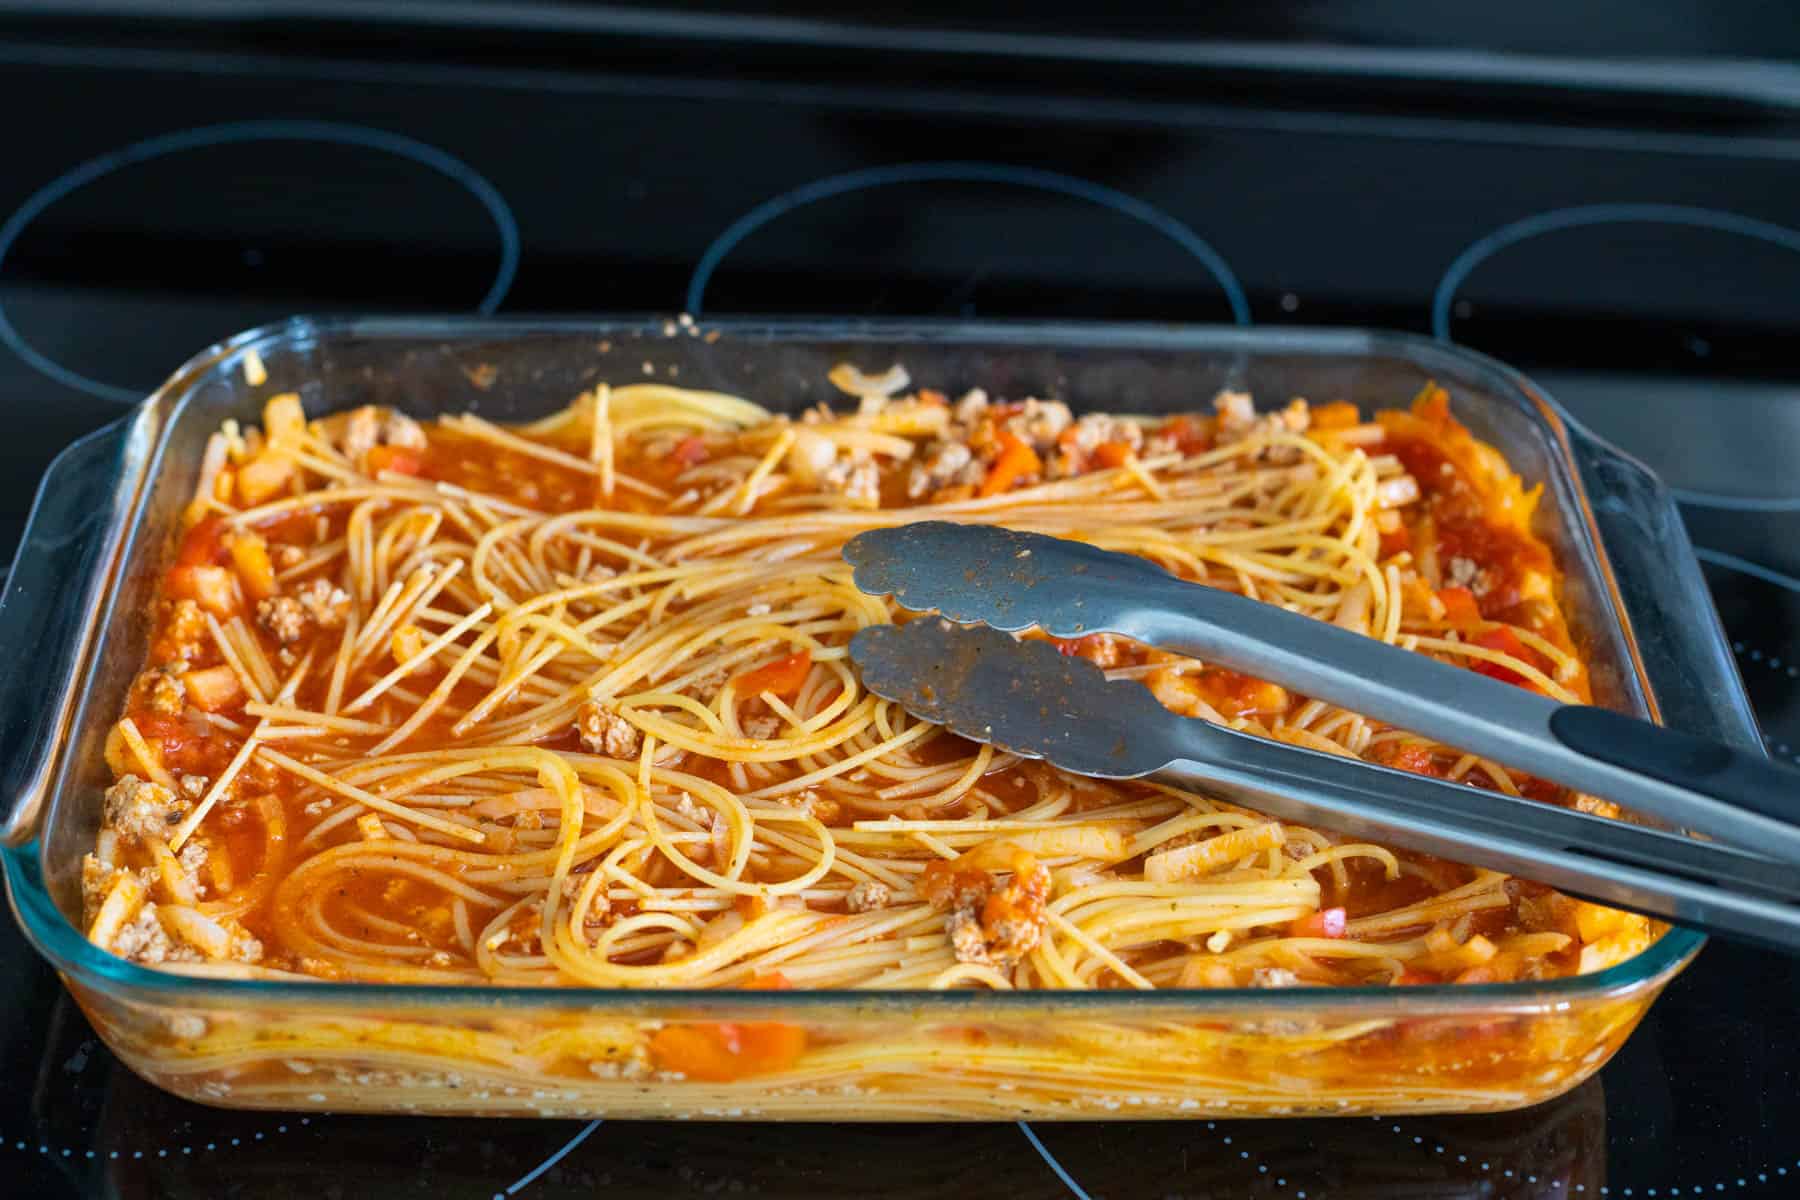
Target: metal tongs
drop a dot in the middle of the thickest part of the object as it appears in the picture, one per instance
(1027, 697)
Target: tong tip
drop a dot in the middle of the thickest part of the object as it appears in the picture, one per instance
(1023, 696)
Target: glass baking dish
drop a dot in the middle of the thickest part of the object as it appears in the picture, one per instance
(82, 584)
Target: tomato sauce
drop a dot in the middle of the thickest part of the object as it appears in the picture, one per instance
(1455, 517)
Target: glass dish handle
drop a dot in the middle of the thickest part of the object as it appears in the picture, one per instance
(49, 612)
(1673, 621)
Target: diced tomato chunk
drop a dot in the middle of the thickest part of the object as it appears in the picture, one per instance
(182, 749)
(749, 905)
(158, 727)
(1237, 695)
(399, 459)
(690, 451)
(204, 543)
(784, 677)
(1113, 454)
(1505, 641)
(696, 1051)
(1459, 605)
(1395, 541)
(1339, 414)
(213, 588)
(1326, 923)
(263, 476)
(213, 689)
(1017, 462)
(770, 1045)
(1193, 435)
(731, 1050)
(1414, 977)
(1407, 756)
(250, 555)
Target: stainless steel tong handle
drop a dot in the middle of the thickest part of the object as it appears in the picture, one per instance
(1710, 886)
(1014, 580)
(1026, 697)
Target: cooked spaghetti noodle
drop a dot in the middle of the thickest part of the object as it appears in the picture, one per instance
(569, 703)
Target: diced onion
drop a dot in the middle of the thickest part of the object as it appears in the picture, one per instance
(810, 456)
(196, 929)
(853, 382)
(1172, 866)
(1353, 609)
(1097, 842)
(1396, 491)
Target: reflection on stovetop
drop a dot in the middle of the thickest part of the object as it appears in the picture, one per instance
(1645, 275)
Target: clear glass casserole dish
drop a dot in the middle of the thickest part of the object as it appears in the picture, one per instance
(78, 600)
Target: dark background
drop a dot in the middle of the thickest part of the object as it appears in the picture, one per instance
(1604, 194)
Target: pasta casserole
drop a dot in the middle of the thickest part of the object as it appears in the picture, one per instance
(568, 704)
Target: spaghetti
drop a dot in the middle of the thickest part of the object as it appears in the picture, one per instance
(569, 704)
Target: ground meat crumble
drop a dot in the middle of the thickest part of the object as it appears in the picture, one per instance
(369, 427)
(326, 603)
(867, 896)
(283, 617)
(1239, 421)
(137, 809)
(143, 939)
(762, 728)
(191, 859)
(1039, 423)
(855, 476)
(1273, 977)
(1465, 572)
(945, 464)
(97, 879)
(605, 732)
(989, 924)
(162, 689)
(184, 629)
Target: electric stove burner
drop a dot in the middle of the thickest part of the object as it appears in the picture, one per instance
(954, 238)
(1710, 300)
(294, 215)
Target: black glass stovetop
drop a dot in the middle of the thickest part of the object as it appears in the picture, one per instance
(1636, 249)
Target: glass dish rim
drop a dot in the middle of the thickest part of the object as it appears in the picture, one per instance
(59, 941)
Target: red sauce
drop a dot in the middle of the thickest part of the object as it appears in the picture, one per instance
(1454, 517)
